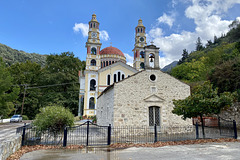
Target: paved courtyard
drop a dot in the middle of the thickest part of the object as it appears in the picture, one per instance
(208, 151)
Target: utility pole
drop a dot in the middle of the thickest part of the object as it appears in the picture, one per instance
(24, 94)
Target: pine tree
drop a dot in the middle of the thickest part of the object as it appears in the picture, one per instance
(199, 45)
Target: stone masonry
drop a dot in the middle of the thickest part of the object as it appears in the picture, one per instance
(232, 113)
(10, 146)
(127, 102)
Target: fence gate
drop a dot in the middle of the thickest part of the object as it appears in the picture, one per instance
(87, 134)
(227, 127)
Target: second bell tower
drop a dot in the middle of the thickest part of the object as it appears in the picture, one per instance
(140, 43)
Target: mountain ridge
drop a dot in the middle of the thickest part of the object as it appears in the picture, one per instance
(11, 56)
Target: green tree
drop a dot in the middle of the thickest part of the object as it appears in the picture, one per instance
(25, 75)
(8, 93)
(191, 71)
(184, 57)
(203, 101)
(53, 119)
(199, 45)
(209, 43)
(60, 76)
(226, 76)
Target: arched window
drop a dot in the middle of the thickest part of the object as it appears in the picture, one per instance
(141, 30)
(142, 54)
(92, 85)
(115, 78)
(151, 60)
(138, 30)
(119, 76)
(108, 80)
(93, 62)
(106, 63)
(93, 25)
(93, 51)
(142, 66)
(91, 103)
(123, 76)
(90, 25)
(110, 62)
(154, 116)
(101, 64)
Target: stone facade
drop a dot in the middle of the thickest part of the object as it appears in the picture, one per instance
(10, 146)
(127, 102)
(105, 110)
(232, 113)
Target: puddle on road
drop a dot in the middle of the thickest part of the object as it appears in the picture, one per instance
(94, 153)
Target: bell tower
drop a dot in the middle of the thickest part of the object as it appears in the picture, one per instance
(93, 45)
(93, 64)
(140, 43)
(151, 59)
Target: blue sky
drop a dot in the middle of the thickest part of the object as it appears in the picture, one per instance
(55, 26)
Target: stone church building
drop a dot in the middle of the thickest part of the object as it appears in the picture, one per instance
(143, 99)
(120, 94)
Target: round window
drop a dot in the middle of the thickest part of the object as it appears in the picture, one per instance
(152, 77)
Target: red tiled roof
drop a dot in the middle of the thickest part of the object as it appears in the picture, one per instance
(111, 50)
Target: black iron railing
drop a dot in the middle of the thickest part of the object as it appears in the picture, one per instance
(92, 134)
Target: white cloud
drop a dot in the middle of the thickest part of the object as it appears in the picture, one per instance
(155, 32)
(164, 61)
(166, 19)
(207, 15)
(84, 28)
(104, 35)
(81, 27)
(129, 59)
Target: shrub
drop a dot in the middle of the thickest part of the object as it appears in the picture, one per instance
(54, 119)
(25, 117)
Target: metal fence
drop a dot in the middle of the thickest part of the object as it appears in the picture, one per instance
(32, 136)
(87, 134)
(92, 134)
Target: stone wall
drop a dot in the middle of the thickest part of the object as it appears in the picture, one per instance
(105, 108)
(10, 146)
(132, 97)
(232, 113)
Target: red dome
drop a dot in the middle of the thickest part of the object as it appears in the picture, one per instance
(111, 50)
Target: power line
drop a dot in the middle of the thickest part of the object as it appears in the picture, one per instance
(51, 85)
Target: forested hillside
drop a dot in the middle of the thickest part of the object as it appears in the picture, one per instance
(38, 86)
(11, 56)
(217, 61)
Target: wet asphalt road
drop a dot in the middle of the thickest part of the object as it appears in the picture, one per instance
(8, 130)
(208, 151)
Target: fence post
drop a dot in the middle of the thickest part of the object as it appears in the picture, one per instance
(87, 132)
(109, 135)
(197, 133)
(65, 137)
(23, 134)
(235, 129)
(219, 125)
(155, 132)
